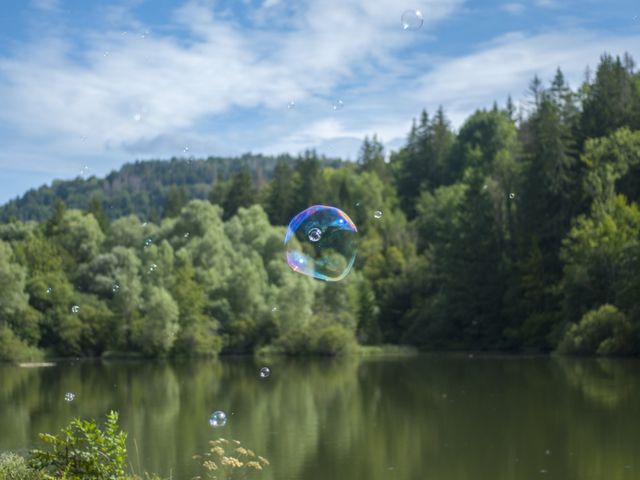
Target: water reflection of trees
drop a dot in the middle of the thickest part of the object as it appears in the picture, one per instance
(443, 417)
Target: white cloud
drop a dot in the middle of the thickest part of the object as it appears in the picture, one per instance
(508, 64)
(222, 88)
(513, 8)
(46, 5)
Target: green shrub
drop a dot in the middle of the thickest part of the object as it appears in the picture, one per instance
(12, 348)
(15, 467)
(82, 450)
(333, 340)
(605, 331)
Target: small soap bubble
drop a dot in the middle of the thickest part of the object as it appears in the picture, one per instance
(512, 196)
(337, 105)
(84, 171)
(265, 372)
(144, 224)
(69, 397)
(75, 309)
(274, 309)
(105, 54)
(185, 149)
(186, 235)
(377, 214)
(321, 242)
(49, 291)
(411, 19)
(137, 117)
(291, 105)
(115, 288)
(315, 234)
(485, 186)
(152, 268)
(357, 204)
(218, 419)
(148, 241)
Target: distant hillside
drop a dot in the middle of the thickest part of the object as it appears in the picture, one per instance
(142, 187)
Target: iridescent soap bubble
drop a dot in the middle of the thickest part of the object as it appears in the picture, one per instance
(115, 288)
(75, 309)
(337, 105)
(152, 268)
(512, 196)
(291, 105)
(218, 419)
(186, 235)
(69, 397)
(49, 291)
(321, 242)
(377, 214)
(148, 242)
(411, 19)
(265, 372)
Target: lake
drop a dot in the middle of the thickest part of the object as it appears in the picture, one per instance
(442, 417)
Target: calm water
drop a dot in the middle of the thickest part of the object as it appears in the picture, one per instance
(428, 417)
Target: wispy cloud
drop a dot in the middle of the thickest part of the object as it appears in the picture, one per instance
(513, 8)
(219, 83)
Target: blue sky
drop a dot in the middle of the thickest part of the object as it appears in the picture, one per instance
(94, 84)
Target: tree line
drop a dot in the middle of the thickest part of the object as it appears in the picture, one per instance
(518, 232)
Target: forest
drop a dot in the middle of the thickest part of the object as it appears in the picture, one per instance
(518, 232)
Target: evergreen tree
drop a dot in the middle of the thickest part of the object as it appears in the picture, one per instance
(96, 209)
(176, 199)
(241, 193)
(280, 198)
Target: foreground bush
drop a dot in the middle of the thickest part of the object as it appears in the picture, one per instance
(15, 467)
(605, 331)
(83, 450)
(229, 459)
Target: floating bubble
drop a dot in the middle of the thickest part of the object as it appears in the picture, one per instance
(321, 243)
(185, 149)
(338, 105)
(411, 19)
(315, 234)
(75, 309)
(137, 117)
(152, 268)
(49, 291)
(265, 372)
(218, 419)
(69, 397)
(148, 241)
(115, 288)
(357, 204)
(186, 235)
(512, 196)
(291, 105)
(84, 171)
(377, 214)
(274, 309)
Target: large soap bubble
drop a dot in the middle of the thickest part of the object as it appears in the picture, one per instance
(321, 242)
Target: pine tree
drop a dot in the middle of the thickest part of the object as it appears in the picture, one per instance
(96, 209)
(280, 199)
(241, 193)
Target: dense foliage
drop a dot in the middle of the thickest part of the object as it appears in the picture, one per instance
(503, 235)
(149, 189)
